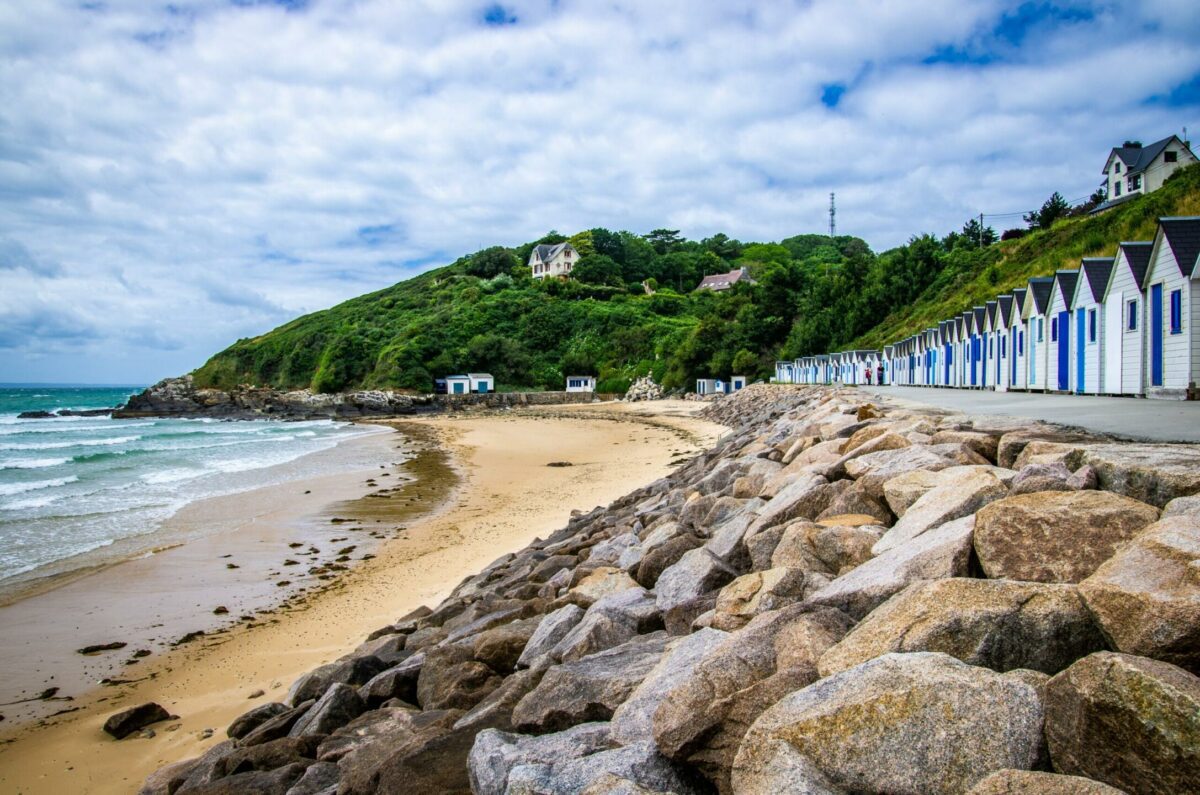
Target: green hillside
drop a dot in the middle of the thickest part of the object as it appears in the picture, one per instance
(971, 281)
(813, 294)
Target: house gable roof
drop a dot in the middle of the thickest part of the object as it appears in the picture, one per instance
(546, 251)
(1183, 237)
(722, 281)
(1137, 257)
(1096, 271)
(1139, 158)
(1040, 288)
(1065, 282)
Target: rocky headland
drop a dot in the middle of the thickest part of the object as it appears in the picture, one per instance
(838, 598)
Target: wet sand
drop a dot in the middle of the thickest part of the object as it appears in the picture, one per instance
(506, 497)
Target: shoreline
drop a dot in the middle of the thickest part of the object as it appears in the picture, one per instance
(507, 496)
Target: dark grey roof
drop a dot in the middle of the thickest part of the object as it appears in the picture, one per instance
(990, 308)
(1096, 271)
(1137, 254)
(1067, 280)
(1019, 299)
(1183, 236)
(1138, 158)
(1006, 305)
(548, 251)
(980, 312)
(1041, 287)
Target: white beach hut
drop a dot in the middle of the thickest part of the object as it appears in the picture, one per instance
(1018, 367)
(1124, 319)
(1004, 353)
(1035, 314)
(1088, 343)
(581, 383)
(1173, 310)
(1058, 372)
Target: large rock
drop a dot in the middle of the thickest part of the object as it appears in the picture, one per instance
(884, 441)
(1152, 473)
(499, 648)
(1128, 721)
(663, 556)
(985, 444)
(903, 490)
(494, 753)
(550, 630)
(761, 591)
(695, 574)
(1032, 782)
(997, 624)
(589, 689)
(936, 554)
(338, 706)
(350, 671)
(453, 679)
(1041, 477)
(639, 763)
(128, 721)
(609, 622)
(1183, 506)
(702, 720)
(1056, 536)
(855, 500)
(599, 583)
(873, 470)
(1146, 597)
(830, 550)
(903, 723)
(960, 492)
(633, 720)
(804, 497)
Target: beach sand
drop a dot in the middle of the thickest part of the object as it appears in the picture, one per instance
(506, 496)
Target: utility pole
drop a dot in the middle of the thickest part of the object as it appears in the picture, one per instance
(981, 230)
(832, 217)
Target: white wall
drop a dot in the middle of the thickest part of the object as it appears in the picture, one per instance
(1113, 340)
(1177, 365)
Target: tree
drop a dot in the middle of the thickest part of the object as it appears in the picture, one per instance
(1055, 207)
(664, 240)
(598, 269)
(744, 363)
(975, 236)
(491, 262)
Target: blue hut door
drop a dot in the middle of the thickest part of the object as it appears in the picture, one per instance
(974, 360)
(947, 360)
(1080, 343)
(1064, 350)
(1156, 336)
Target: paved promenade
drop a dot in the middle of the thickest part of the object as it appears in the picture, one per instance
(1136, 418)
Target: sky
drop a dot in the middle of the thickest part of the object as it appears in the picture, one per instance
(174, 177)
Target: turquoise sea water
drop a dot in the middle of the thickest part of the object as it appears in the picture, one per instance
(73, 485)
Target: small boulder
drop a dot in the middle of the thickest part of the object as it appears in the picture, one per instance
(128, 721)
(453, 679)
(1032, 782)
(550, 630)
(249, 721)
(761, 591)
(335, 709)
(495, 754)
(1128, 721)
(1056, 536)
(1041, 477)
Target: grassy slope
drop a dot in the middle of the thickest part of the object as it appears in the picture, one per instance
(1011, 264)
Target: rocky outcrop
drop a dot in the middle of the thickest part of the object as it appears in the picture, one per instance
(644, 388)
(838, 597)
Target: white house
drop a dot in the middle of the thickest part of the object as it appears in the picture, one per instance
(1004, 343)
(581, 383)
(1035, 315)
(1058, 373)
(1019, 368)
(1173, 310)
(557, 261)
(1124, 319)
(1134, 169)
(471, 382)
(1088, 343)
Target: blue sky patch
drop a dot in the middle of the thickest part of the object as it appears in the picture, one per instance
(497, 15)
(831, 94)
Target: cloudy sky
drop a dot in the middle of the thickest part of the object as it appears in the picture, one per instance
(176, 176)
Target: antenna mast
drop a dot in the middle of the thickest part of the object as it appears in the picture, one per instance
(832, 217)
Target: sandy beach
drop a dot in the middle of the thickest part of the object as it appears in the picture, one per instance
(500, 496)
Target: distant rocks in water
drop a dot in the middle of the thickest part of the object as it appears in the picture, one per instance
(135, 719)
(839, 597)
(49, 415)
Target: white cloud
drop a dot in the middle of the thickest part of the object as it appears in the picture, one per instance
(175, 177)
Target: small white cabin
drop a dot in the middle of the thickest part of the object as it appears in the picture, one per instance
(1173, 310)
(711, 386)
(1004, 343)
(581, 383)
(1035, 314)
(1124, 320)
(737, 382)
(1019, 367)
(1058, 373)
(1088, 344)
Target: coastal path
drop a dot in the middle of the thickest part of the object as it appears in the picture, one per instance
(1135, 418)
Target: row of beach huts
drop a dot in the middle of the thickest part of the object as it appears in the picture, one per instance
(1122, 325)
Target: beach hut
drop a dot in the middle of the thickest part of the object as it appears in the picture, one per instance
(1019, 369)
(785, 372)
(1035, 314)
(962, 351)
(1000, 332)
(949, 328)
(581, 383)
(710, 386)
(976, 327)
(931, 357)
(1173, 310)
(888, 360)
(1088, 343)
(737, 382)
(822, 369)
(991, 350)
(482, 382)
(1058, 373)
(1124, 325)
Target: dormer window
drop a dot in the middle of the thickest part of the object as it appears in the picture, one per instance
(1117, 167)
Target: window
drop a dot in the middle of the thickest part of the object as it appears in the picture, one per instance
(1135, 182)
(1176, 311)
(1170, 157)
(1020, 343)
(1041, 329)
(1131, 316)
(1117, 188)
(1117, 167)
(1091, 325)
(1054, 329)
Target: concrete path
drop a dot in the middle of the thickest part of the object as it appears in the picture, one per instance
(1135, 418)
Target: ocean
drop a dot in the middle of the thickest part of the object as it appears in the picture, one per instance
(72, 487)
